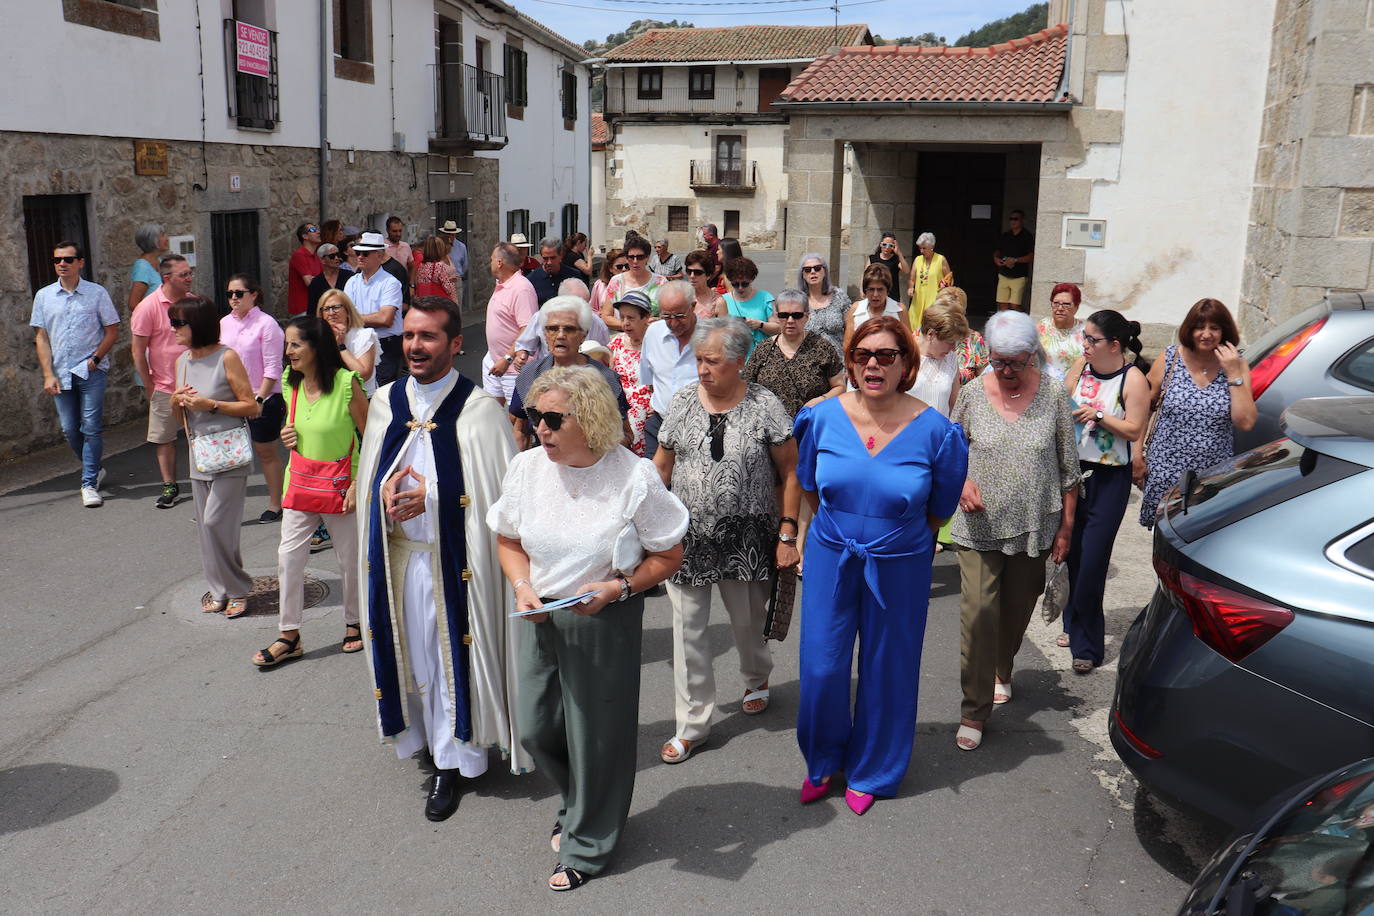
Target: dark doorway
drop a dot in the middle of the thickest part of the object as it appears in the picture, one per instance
(234, 247)
(959, 199)
(772, 81)
(49, 219)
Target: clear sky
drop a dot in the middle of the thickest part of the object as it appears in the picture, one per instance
(580, 20)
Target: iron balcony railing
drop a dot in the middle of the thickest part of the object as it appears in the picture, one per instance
(469, 104)
(724, 174)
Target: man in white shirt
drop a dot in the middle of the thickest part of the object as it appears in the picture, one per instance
(666, 359)
(377, 296)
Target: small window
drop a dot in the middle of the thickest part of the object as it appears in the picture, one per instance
(731, 224)
(1357, 366)
(353, 40)
(569, 95)
(701, 83)
(677, 219)
(651, 82)
(570, 219)
(536, 234)
(49, 219)
(124, 17)
(518, 221)
(517, 76)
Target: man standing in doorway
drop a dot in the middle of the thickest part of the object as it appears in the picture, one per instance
(155, 351)
(666, 359)
(377, 296)
(1014, 254)
(511, 306)
(75, 327)
(433, 458)
(303, 268)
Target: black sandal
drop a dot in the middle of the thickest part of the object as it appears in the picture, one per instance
(293, 650)
(343, 646)
(575, 878)
(557, 832)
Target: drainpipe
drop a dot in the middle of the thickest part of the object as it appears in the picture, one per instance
(1064, 81)
(325, 55)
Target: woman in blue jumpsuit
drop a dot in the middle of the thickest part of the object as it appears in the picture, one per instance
(883, 471)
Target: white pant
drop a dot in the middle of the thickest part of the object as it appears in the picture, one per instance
(427, 696)
(294, 552)
(498, 386)
(694, 678)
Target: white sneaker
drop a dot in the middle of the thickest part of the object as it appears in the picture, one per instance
(90, 498)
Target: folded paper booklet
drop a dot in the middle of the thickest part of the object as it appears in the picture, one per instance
(554, 605)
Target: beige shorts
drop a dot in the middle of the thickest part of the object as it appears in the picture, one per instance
(1011, 289)
(162, 426)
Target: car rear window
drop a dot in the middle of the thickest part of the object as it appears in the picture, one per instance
(1250, 483)
(1357, 366)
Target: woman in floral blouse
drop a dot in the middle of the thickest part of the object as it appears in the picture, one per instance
(723, 448)
(634, 320)
(1061, 334)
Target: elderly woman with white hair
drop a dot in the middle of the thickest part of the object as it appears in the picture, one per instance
(565, 321)
(566, 511)
(144, 276)
(930, 273)
(1017, 505)
(530, 344)
(723, 447)
(828, 302)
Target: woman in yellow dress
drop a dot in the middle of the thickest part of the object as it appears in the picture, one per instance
(930, 273)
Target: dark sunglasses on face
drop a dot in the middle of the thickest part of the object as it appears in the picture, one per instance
(795, 316)
(552, 419)
(64, 259)
(886, 245)
(312, 228)
(178, 322)
(636, 257)
(236, 293)
(619, 267)
(333, 257)
(885, 357)
(743, 285)
(813, 269)
(695, 272)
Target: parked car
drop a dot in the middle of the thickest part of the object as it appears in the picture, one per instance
(1311, 851)
(1325, 351)
(1252, 667)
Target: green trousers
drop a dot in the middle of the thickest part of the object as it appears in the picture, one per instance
(579, 719)
(998, 592)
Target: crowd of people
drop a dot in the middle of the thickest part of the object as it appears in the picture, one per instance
(673, 423)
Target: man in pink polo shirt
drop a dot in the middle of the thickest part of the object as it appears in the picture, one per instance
(512, 305)
(155, 350)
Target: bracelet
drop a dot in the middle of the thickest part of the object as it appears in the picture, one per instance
(519, 582)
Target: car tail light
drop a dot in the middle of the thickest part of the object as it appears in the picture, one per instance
(1277, 359)
(1231, 623)
(1135, 740)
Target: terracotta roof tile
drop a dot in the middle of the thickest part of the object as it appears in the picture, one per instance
(1021, 70)
(743, 42)
(601, 134)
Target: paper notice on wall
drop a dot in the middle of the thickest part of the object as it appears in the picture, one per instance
(980, 211)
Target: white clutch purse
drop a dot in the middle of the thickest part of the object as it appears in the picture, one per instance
(628, 551)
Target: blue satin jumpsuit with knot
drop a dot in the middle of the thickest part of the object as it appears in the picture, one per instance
(868, 571)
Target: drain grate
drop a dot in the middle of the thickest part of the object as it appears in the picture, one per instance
(263, 600)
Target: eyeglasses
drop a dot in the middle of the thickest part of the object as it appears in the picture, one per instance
(887, 245)
(550, 418)
(553, 330)
(65, 259)
(813, 269)
(1013, 365)
(636, 257)
(1091, 340)
(876, 289)
(331, 308)
(184, 275)
(1062, 305)
(695, 272)
(741, 285)
(333, 257)
(672, 316)
(794, 316)
(619, 267)
(178, 322)
(885, 357)
(236, 293)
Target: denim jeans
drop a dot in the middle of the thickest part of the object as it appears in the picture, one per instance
(81, 411)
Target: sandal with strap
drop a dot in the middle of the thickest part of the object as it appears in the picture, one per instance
(1001, 693)
(755, 696)
(968, 738)
(348, 638)
(265, 658)
(554, 838)
(575, 878)
(681, 748)
(212, 605)
(236, 607)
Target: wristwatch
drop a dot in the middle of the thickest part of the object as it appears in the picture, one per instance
(787, 538)
(1098, 416)
(343, 347)
(624, 587)
(258, 398)
(1236, 382)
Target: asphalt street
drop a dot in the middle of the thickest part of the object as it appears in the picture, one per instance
(146, 766)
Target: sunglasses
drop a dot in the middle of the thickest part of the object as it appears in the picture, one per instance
(619, 267)
(744, 285)
(333, 257)
(65, 259)
(795, 316)
(550, 418)
(178, 322)
(813, 269)
(236, 293)
(887, 245)
(636, 257)
(695, 272)
(312, 228)
(885, 357)
(553, 330)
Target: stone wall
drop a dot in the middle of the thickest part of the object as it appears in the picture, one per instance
(1312, 215)
(281, 183)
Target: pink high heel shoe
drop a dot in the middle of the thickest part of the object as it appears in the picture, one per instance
(858, 802)
(811, 792)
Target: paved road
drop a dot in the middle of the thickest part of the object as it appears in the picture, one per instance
(146, 766)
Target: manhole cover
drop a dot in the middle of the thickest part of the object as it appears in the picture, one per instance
(263, 599)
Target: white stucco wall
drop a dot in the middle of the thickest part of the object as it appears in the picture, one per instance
(655, 165)
(1176, 192)
(121, 86)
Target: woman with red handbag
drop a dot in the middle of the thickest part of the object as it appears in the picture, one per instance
(326, 413)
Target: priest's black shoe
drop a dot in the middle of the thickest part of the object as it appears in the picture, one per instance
(443, 795)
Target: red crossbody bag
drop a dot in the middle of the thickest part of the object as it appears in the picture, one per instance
(316, 486)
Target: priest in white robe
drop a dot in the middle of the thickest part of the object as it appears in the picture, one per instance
(443, 665)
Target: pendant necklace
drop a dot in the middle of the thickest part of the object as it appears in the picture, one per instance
(870, 443)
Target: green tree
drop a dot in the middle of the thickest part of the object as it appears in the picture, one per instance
(1032, 19)
(928, 40)
(615, 40)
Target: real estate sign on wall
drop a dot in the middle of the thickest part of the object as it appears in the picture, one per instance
(254, 54)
